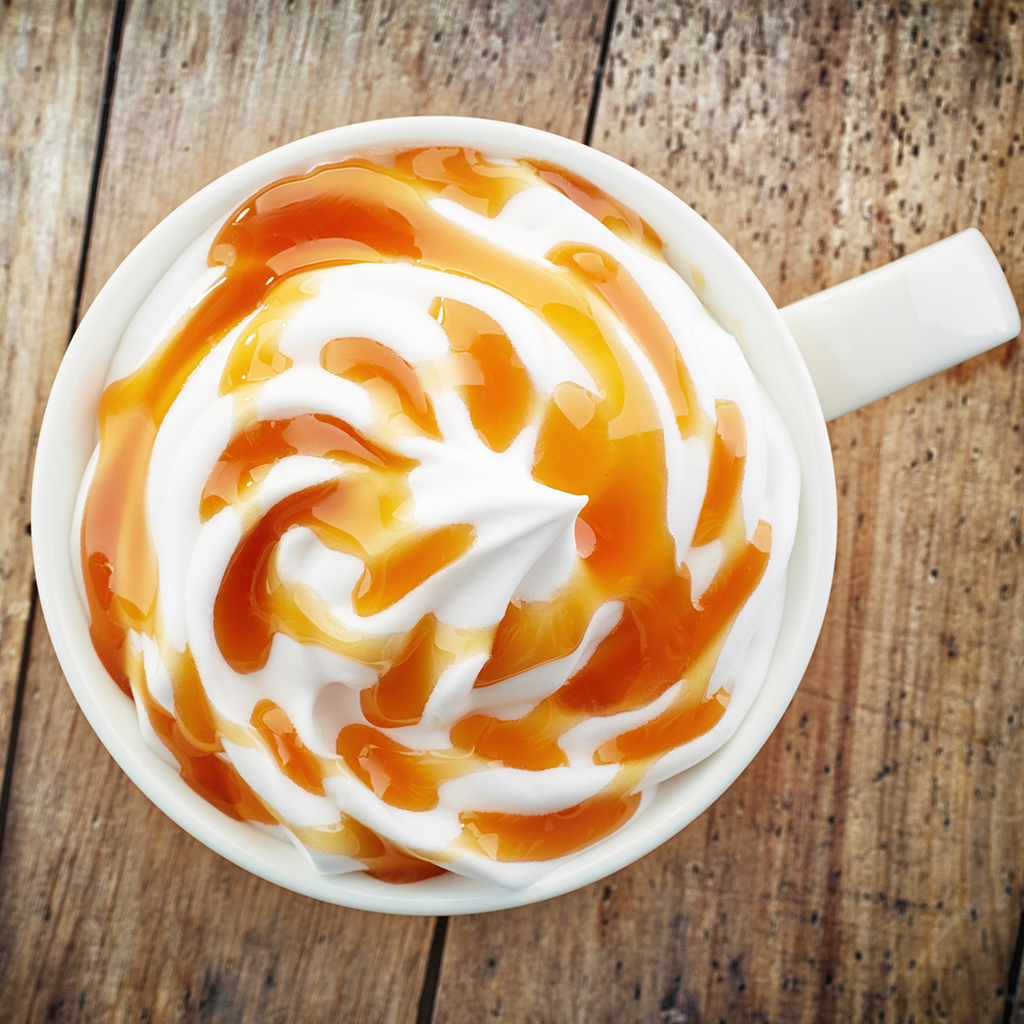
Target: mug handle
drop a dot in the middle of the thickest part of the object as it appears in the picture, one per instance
(895, 325)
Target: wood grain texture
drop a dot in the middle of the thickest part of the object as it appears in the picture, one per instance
(867, 865)
(203, 89)
(107, 910)
(822, 140)
(51, 80)
(112, 913)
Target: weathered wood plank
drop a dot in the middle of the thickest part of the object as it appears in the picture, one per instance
(51, 79)
(867, 865)
(107, 910)
(111, 913)
(225, 83)
(820, 141)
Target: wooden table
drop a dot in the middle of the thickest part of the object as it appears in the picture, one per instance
(868, 865)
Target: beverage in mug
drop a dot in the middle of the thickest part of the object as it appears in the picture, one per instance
(463, 512)
(434, 521)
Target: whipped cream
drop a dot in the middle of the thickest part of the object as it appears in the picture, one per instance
(393, 510)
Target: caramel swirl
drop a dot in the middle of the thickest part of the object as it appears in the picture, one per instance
(544, 633)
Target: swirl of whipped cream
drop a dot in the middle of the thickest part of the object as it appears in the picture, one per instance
(434, 521)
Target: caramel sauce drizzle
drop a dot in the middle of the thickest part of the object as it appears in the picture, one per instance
(606, 444)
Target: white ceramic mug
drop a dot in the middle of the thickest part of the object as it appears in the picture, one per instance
(859, 341)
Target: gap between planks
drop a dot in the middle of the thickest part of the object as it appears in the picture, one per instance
(432, 975)
(113, 54)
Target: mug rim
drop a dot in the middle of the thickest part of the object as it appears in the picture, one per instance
(112, 714)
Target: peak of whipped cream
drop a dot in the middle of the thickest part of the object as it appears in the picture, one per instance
(445, 544)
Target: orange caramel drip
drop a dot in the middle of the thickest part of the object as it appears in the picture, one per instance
(607, 444)
(725, 477)
(362, 360)
(293, 757)
(397, 867)
(662, 733)
(601, 206)
(497, 390)
(512, 837)
(195, 720)
(213, 778)
(616, 286)
(255, 450)
(462, 176)
(403, 777)
(530, 742)
(412, 560)
(347, 515)
(401, 691)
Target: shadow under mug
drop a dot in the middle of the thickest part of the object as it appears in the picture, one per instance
(817, 359)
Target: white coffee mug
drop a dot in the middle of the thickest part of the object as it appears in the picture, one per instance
(854, 343)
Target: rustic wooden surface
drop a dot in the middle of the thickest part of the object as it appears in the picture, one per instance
(107, 910)
(51, 88)
(867, 866)
(202, 88)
